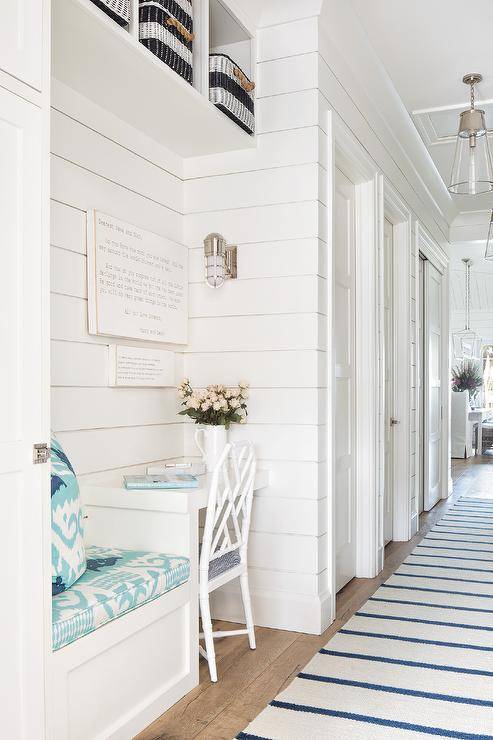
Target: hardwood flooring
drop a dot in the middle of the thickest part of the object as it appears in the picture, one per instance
(250, 679)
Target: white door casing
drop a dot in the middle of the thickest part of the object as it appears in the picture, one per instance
(24, 400)
(420, 382)
(344, 391)
(388, 308)
(21, 41)
(432, 385)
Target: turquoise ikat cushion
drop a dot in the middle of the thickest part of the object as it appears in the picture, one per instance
(68, 559)
(116, 581)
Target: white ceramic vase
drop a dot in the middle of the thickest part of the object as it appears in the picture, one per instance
(211, 441)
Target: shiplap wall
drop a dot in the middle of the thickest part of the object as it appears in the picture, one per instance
(269, 326)
(101, 427)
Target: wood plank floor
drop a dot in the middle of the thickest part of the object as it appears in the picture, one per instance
(250, 679)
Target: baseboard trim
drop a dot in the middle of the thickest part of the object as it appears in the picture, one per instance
(278, 610)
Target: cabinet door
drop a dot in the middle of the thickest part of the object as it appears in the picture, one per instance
(24, 487)
(21, 40)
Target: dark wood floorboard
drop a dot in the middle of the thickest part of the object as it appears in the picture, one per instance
(250, 679)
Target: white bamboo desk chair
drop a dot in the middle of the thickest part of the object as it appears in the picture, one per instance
(223, 556)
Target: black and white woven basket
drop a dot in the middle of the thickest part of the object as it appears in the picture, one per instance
(231, 91)
(118, 10)
(166, 29)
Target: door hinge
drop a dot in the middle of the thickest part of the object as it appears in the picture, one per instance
(41, 453)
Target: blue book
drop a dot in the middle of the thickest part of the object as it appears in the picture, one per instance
(168, 481)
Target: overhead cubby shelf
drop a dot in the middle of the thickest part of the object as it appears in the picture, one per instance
(108, 65)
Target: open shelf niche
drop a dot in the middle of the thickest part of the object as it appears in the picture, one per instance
(108, 65)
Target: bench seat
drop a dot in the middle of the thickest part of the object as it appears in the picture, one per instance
(116, 581)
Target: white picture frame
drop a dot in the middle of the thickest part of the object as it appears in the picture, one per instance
(141, 367)
(137, 282)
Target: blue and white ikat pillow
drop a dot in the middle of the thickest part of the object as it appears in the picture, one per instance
(68, 558)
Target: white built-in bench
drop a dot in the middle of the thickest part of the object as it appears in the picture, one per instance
(115, 680)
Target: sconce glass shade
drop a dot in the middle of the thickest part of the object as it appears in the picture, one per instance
(215, 260)
(472, 169)
(488, 254)
(220, 261)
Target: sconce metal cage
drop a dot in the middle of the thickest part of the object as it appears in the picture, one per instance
(221, 261)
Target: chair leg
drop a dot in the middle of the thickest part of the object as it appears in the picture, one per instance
(205, 613)
(247, 606)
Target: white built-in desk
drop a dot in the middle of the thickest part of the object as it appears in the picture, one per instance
(179, 501)
(160, 520)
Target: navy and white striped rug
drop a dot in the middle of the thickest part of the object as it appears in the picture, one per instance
(416, 659)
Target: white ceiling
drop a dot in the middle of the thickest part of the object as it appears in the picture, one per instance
(426, 47)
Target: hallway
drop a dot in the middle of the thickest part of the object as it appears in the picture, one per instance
(473, 477)
(250, 680)
(417, 656)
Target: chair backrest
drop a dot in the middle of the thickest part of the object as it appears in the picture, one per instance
(229, 507)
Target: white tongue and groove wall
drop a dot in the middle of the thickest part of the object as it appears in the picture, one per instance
(99, 162)
(268, 327)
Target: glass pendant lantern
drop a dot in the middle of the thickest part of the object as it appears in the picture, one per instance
(466, 344)
(488, 253)
(472, 169)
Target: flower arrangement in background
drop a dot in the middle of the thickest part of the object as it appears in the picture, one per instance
(467, 376)
(215, 405)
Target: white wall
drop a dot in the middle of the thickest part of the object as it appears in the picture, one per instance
(268, 327)
(102, 427)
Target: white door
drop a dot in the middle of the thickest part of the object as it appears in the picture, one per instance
(432, 383)
(24, 382)
(21, 40)
(388, 307)
(344, 344)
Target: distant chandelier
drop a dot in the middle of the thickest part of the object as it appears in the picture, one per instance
(488, 254)
(466, 343)
(472, 170)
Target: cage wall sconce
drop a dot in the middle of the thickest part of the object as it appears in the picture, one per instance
(220, 260)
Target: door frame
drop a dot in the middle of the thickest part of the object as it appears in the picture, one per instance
(427, 246)
(399, 215)
(351, 158)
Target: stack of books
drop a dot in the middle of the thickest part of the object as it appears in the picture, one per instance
(165, 481)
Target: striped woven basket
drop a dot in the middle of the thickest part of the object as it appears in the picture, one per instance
(231, 91)
(118, 10)
(166, 29)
